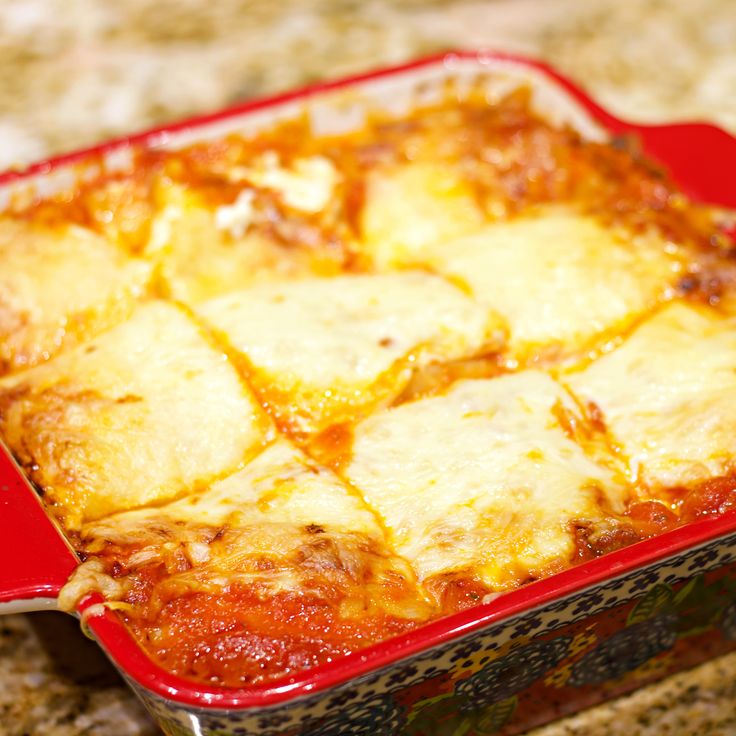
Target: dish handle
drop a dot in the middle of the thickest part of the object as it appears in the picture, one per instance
(35, 560)
(699, 156)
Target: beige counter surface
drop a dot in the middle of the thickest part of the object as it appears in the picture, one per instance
(77, 71)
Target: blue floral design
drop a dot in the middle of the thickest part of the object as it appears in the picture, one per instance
(466, 649)
(402, 676)
(702, 559)
(382, 715)
(527, 625)
(588, 602)
(274, 720)
(511, 674)
(645, 581)
(625, 651)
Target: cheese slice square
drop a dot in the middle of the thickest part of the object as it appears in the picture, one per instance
(484, 483)
(322, 351)
(58, 286)
(143, 413)
(282, 535)
(668, 395)
(203, 249)
(563, 281)
(411, 206)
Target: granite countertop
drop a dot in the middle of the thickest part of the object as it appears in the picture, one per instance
(78, 71)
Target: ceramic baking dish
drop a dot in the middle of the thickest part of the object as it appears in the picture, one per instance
(528, 656)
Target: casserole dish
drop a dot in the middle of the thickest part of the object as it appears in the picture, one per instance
(518, 660)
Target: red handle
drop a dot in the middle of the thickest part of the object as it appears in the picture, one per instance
(35, 560)
(701, 158)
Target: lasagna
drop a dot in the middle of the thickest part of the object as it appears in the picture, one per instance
(293, 393)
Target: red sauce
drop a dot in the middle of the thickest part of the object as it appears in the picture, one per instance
(712, 496)
(236, 638)
(457, 591)
(650, 518)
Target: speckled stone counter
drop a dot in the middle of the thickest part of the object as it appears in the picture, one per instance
(77, 71)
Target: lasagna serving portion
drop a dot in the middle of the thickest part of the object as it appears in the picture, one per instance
(292, 394)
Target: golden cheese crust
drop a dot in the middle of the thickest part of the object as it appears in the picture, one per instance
(58, 287)
(324, 351)
(484, 481)
(243, 245)
(296, 393)
(282, 533)
(667, 396)
(581, 282)
(143, 413)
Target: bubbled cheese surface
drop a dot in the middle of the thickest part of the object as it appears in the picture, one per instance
(668, 395)
(284, 509)
(59, 286)
(323, 350)
(413, 206)
(236, 254)
(483, 478)
(139, 415)
(560, 279)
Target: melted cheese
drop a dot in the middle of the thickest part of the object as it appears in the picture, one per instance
(281, 524)
(307, 185)
(482, 480)
(237, 217)
(280, 486)
(412, 206)
(561, 280)
(59, 286)
(324, 349)
(668, 395)
(139, 415)
(203, 251)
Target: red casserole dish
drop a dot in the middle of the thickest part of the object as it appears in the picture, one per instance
(527, 657)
